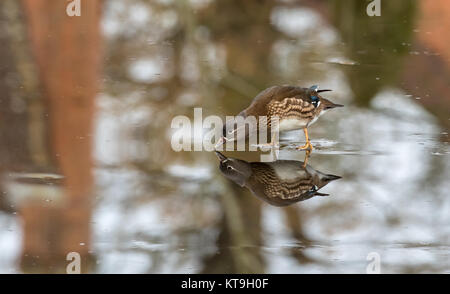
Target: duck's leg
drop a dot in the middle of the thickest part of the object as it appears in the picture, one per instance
(307, 145)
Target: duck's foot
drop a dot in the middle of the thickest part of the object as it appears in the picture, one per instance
(308, 147)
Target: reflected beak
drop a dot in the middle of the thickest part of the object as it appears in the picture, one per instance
(332, 177)
(220, 156)
(222, 141)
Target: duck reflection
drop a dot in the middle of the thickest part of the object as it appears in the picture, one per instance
(279, 183)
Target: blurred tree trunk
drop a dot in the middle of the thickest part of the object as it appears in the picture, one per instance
(67, 53)
(427, 74)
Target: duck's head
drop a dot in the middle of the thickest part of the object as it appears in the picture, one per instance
(321, 104)
(234, 169)
(321, 179)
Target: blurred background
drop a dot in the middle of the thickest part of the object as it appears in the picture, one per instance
(87, 101)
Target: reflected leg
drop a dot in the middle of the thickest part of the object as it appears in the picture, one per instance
(305, 161)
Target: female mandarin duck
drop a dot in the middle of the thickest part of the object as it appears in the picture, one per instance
(296, 108)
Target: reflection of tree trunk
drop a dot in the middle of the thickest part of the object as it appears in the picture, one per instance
(240, 235)
(67, 55)
(294, 222)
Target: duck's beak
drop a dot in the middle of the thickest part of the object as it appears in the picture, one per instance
(220, 156)
(332, 105)
(220, 142)
(324, 90)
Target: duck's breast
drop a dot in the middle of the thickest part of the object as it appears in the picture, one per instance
(292, 123)
(289, 170)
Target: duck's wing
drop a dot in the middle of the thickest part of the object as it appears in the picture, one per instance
(275, 94)
(291, 107)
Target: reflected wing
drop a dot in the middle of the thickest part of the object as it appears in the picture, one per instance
(295, 189)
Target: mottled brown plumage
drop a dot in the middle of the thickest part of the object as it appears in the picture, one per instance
(290, 108)
(265, 180)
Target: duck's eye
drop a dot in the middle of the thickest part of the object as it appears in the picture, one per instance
(229, 168)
